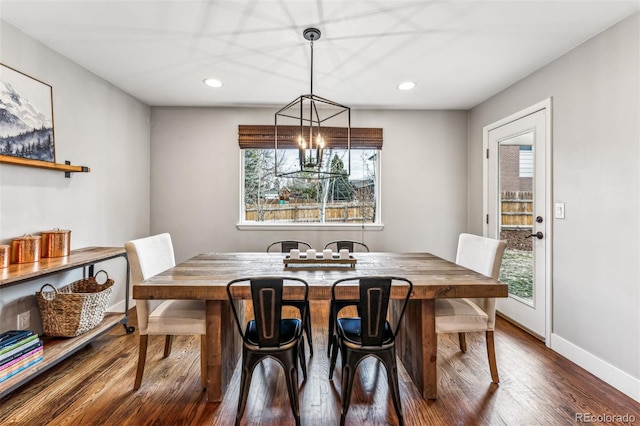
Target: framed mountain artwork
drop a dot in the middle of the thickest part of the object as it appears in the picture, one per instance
(26, 116)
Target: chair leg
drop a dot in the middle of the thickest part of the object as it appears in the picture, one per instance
(303, 363)
(347, 386)
(389, 361)
(491, 353)
(203, 361)
(245, 381)
(291, 376)
(168, 342)
(463, 342)
(350, 361)
(334, 355)
(331, 325)
(308, 330)
(142, 358)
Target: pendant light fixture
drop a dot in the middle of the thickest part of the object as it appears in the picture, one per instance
(314, 126)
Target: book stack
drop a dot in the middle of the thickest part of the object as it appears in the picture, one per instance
(19, 350)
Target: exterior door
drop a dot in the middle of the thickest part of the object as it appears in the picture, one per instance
(516, 201)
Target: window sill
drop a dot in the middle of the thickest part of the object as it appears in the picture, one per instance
(308, 226)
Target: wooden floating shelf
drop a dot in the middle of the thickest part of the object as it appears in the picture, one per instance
(67, 168)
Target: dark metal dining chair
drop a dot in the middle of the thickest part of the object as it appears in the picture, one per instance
(337, 306)
(285, 246)
(270, 335)
(350, 245)
(369, 334)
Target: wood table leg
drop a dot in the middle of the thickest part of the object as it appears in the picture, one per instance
(429, 349)
(223, 348)
(417, 346)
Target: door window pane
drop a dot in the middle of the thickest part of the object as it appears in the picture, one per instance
(516, 223)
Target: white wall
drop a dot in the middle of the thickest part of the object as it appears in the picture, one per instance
(595, 90)
(96, 125)
(195, 180)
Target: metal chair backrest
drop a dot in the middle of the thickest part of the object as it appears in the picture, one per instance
(266, 295)
(350, 245)
(287, 245)
(374, 302)
(375, 293)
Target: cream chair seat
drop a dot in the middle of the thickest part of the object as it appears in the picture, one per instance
(148, 257)
(482, 255)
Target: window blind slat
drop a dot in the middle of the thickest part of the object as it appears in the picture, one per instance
(259, 136)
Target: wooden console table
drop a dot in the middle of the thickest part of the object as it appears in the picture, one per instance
(58, 349)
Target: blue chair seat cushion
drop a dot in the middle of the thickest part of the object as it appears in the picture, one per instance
(351, 330)
(290, 329)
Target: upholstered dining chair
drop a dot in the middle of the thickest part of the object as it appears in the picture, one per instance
(482, 255)
(350, 245)
(285, 246)
(148, 257)
(270, 335)
(369, 334)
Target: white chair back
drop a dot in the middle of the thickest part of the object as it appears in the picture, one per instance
(148, 257)
(482, 255)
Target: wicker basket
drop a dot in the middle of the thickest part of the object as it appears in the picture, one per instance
(75, 308)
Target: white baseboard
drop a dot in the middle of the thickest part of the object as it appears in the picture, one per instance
(617, 378)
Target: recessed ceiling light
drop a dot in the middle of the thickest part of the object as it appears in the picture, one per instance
(212, 82)
(407, 85)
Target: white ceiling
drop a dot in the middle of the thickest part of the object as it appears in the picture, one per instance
(458, 52)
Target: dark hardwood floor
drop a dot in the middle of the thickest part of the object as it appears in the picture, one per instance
(95, 387)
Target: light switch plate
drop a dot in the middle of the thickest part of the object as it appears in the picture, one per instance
(24, 320)
(559, 211)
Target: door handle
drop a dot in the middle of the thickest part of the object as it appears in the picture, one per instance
(539, 235)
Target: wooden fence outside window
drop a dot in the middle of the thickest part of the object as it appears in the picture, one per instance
(309, 213)
(517, 209)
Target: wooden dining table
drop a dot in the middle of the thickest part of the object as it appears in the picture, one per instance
(205, 277)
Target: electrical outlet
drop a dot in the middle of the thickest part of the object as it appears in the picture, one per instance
(24, 320)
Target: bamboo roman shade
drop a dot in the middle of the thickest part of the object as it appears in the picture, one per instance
(254, 136)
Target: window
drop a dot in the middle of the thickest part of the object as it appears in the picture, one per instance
(270, 200)
(526, 161)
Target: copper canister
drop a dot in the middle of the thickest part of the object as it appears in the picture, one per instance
(25, 249)
(56, 243)
(4, 256)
